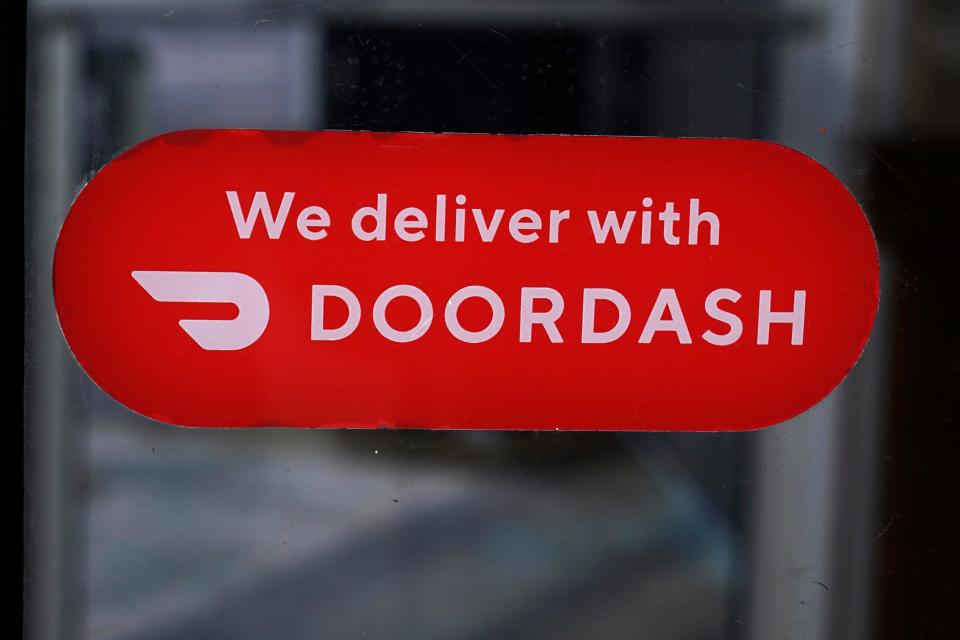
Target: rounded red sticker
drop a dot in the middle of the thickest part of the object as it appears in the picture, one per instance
(233, 278)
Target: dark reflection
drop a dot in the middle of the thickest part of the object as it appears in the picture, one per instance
(407, 534)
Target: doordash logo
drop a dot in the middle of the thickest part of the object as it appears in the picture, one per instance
(242, 278)
(253, 307)
(203, 286)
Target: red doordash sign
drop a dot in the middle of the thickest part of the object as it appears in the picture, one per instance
(230, 278)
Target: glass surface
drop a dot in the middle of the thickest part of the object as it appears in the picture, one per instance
(838, 524)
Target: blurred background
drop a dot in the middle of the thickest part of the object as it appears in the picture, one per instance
(842, 523)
